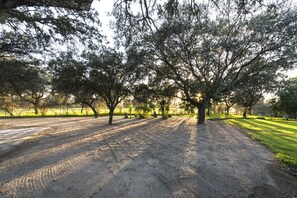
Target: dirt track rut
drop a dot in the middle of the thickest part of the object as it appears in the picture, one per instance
(142, 158)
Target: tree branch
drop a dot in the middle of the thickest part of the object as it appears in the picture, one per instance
(79, 5)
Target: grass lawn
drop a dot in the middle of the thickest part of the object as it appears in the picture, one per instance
(60, 112)
(277, 134)
(222, 116)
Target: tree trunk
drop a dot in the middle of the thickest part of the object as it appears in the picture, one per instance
(162, 110)
(227, 110)
(9, 112)
(35, 104)
(94, 111)
(36, 109)
(244, 113)
(91, 106)
(110, 115)
(250, 111)
(130, 111)
(201, 114)
(208, 111)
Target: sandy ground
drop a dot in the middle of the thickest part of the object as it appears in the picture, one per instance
(10, 138)
(84, 157)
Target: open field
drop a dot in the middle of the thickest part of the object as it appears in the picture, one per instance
(278, 134)
(84, 157)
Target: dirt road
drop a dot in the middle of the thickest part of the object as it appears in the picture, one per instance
(83, 157)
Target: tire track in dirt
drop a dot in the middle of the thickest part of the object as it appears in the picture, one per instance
(73, 163)
(31, 140)
(42, 179)
(116, 147)
(123, 156)
(145, 145)
(205, 161)
(7, 123)
(119, 162)
(44, 176)
(147, 158)
(235, 165)
(145, 138)
(62, 149)
(65, 143)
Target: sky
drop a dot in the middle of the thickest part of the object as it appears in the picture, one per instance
(103, 7)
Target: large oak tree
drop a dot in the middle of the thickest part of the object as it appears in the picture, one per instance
(209, 50)
(70, 78)
(27, 80)
(105, 73)
(113, 75)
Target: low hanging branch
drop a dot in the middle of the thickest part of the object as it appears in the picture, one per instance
(71, 4)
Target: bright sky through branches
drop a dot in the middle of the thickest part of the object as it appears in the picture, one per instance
(105, 6)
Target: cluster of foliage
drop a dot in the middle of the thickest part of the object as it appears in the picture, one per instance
(286, 101)
(103, 73)
(30, 27)
(29, 32)
(251, 93)
(23, 79)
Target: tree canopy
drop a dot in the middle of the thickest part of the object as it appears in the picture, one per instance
(105, 73)
(113, 76)
(26, 80)
(31, 27)
(34, 31)
(70, 78)
(287, 101)
(209, 50)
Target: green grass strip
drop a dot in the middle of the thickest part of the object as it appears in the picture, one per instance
(278, 135)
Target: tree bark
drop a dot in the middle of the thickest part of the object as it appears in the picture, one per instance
(36, 104)
(35, 109)
(227, 110)
(162, 104)
(94, 111)
(208, 111)
(162, 110)
(250, 110)
(244, 113)
(111, 110)
(9, 112)
(93, 108)
(201, 114)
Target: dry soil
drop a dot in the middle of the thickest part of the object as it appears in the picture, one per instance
(84, 157)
